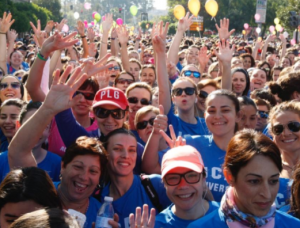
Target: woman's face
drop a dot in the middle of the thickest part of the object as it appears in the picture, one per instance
(134, 69)
(123, 82)
(239, 83)
(11, 211)
(142, 95)
(145, 133)
(148, 76)
(191, 69)
(287, 141)
(246, 62)
(214, 72)
(122, 154)
(10, 88)
(147, 56)
(16, 59)
(262, 120)
(113, 70)
(80, 177)
(185, 196)
(258, 79)
(236, 62)
(275, 75)
(8, 119)
(133, 55)
(82, 106)
(248, 117)
(285, 62)
(201, 99)
(184, 102)
(256, 186)
(220, 116)
(155, 99)
(192, 56)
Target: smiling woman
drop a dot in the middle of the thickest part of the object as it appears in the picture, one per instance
(10, 87)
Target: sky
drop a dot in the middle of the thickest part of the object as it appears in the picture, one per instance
(160, 4)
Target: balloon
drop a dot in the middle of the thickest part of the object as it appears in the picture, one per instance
(293, 42)
(86, 25)
(274, 32)
(76, 15)
(285, 34)
(278, 27)
(93, 14)
(132, 28)
(65, 28)
(179, 11)
(194, 7)
(114, 24)
(276, 21)
(119, 21)
(87, 5)
(95, 22)
(211, 7)
(281, 29)
(257, 16)
(97, 17)
(244, 32)
(272, 28)
(246, 26)
(147, 25)
(133, 10)
(258, 30)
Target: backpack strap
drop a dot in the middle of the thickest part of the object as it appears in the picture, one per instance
(151, 192)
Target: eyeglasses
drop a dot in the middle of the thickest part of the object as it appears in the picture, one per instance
(263, 114)
(189, 73)
(188, 91)
(103, 113)
(123, 81)
(114, 67)
(87, 96)
(292, 126)
(14, 85)
(143, 124)
(203, 94)
(135, 100)
(190, 177)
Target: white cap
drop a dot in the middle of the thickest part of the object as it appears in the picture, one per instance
(108, 199)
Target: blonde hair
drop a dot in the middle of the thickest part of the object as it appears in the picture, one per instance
(143, 112)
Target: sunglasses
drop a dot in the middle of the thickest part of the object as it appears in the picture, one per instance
(203, 94)
(292, 126)
(103, 113)
(147, 55)
(143, 124)
(188, 91)
(1, 73)
(191, 177)
(123, 81)
(114, 67)
(135, 100)
(87, 96)
(263, 114)
(181, 59)
(189, 73)
(14, 85)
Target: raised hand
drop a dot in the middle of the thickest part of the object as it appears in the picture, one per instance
(223, 30)
(160, 122)
(49, 26)
(225, 52)
(184, 23)
(203, 57)
(91, 68)
(5, 22)
(80, 28)
(123, 34)
(159, 39)
(142, 220)
(171, 67)
(173, 141)
(107, 23)
(270, 38)
(12, 36)
(39, 35)
(60, 25)
(91, 34)
(92, 49)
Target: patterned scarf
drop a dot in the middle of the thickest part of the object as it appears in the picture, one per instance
(235, 218)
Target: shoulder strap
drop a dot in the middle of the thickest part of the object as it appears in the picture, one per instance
(146, 182)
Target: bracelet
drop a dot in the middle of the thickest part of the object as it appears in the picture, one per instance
(83, 36)
(112, 38)
(41, 57)
(3, 33)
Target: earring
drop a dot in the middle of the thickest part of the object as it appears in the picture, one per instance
(60, 176)
(196, 100)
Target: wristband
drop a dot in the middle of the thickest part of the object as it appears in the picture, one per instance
(3, 33)
(112, 38)
(83, 36)
(41, 57)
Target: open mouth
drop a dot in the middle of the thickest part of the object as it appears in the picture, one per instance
(80, 187)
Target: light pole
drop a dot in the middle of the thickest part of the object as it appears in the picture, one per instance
(124, 9)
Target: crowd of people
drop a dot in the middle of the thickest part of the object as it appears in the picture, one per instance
(179, 131)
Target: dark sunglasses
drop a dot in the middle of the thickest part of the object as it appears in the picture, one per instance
(203, 94)
(263, 114)
(143, 124)
(87, 96)
(181, 59)
(189, 73)
(147, 55)
(103, 113)
(188, 91)
(14, 85)
(123, 81)
(135, 100)
(292, 126)
(114, 67)
(190, 177)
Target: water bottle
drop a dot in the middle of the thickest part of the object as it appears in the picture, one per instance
(105, 213)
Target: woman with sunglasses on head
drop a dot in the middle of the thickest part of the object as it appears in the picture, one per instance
(192, 72)
(183, 175)
(240, 82)
(123, 80)
(264, 65)
(252, 167)
(114, 69)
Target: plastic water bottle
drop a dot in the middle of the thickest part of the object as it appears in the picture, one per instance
(105, 213)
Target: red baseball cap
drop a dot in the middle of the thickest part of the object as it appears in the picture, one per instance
(111, 96)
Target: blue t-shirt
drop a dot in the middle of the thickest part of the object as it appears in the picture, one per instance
(3, 141)
(184, 129)
(266, 131)
(138, 139)
(167, 219)
(284, 193)
(51, 164)
(91, 214)
(136, 196)
(217, 219)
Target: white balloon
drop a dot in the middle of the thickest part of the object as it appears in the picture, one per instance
(76, 15)
(258, 30)
(285, 34)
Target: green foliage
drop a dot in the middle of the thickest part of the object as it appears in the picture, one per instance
(172, 29)
(144, 24)
(53, 6)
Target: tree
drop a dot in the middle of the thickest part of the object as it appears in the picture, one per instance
(53, 6)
